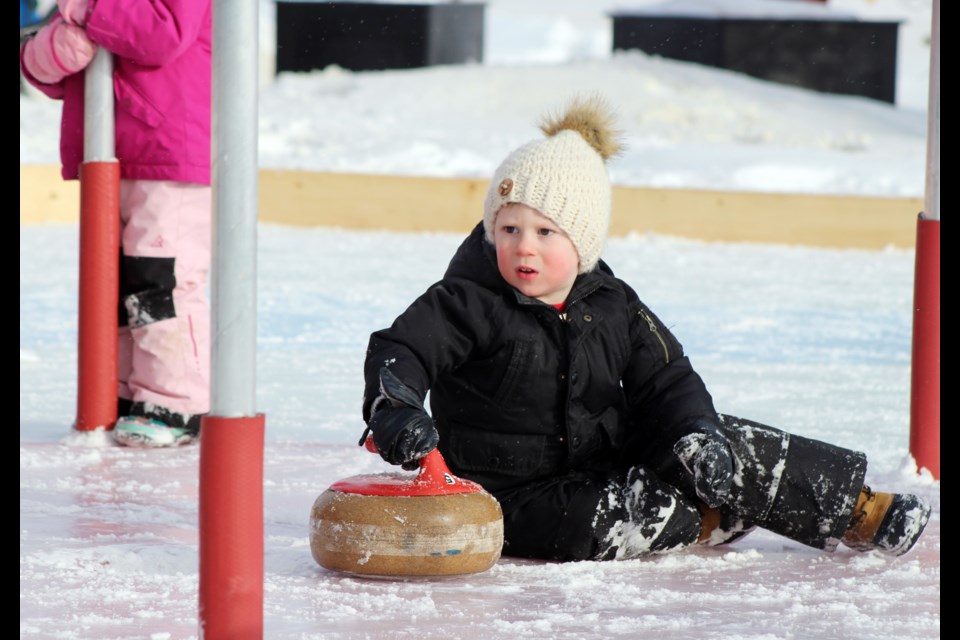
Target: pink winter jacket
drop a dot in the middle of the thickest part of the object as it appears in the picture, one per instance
(161, 82)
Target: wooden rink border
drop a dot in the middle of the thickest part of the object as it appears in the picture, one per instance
(402, 203)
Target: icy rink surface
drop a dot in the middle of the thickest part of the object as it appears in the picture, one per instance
(816, 341)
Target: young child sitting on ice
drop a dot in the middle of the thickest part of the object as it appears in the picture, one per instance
(554, 387)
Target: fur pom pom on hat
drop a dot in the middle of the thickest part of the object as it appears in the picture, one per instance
(563, 176)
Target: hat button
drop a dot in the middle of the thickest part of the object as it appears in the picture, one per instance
(506, 185)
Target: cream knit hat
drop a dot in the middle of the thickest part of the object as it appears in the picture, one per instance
(563, 176)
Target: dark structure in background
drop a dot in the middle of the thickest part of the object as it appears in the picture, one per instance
(831, 53)
(363, 36)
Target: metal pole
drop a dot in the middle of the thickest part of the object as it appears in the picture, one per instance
(235, 207)
(98, 109)
(931, 208)
(99, 271)
(231, 452)
(925, 369)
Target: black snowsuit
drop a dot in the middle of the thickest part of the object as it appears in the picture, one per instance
(569, 419)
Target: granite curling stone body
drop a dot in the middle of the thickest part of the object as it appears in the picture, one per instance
(432, 524)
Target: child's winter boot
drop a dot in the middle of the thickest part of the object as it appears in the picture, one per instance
(887, 522)
(715, 529)
(152, 427)
(709, 522)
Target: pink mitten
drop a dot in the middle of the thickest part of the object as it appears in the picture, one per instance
(58, 50)
(74, 11)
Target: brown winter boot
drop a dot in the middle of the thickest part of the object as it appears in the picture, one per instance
(713, 529)
(887, 522)
(709, 522)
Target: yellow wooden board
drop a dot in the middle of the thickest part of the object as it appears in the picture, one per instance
(404, 203)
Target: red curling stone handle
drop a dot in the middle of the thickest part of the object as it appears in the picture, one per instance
(434, 479)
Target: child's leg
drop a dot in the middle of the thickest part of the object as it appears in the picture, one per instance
(800, 488)
(803, 489)
(813, 492)
(165, 261)
(596, 516)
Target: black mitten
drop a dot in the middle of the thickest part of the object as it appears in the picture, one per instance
(707, 458)
(402, 429)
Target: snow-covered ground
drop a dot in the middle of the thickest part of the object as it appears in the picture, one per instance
(816, 341)
(813, 340)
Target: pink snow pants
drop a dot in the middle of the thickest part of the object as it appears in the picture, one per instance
(164, 350)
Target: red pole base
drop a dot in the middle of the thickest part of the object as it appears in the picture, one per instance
(231, 527)
(925, 371)
(99, 295)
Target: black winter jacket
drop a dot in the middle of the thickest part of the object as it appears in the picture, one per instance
(520, 391)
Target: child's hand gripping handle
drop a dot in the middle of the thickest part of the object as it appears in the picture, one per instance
(433, 468)
(403, 432)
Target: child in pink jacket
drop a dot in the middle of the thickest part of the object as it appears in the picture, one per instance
(161, 79)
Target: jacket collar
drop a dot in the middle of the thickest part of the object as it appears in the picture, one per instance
(476, 260)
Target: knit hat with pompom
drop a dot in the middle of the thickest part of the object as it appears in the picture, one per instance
(563, 176)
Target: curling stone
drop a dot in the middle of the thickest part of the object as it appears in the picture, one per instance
(398, 525)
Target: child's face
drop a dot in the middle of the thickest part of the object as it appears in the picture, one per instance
(534, 255)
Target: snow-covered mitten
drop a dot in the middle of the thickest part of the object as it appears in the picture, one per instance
(58, 50)
(707, 458)
(402, 429)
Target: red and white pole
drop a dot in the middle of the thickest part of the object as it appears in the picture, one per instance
(925, 371)
(231, 450)
(99, 253)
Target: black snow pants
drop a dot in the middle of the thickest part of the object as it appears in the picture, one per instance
(794, 486)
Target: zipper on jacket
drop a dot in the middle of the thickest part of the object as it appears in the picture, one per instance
(653, 330)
